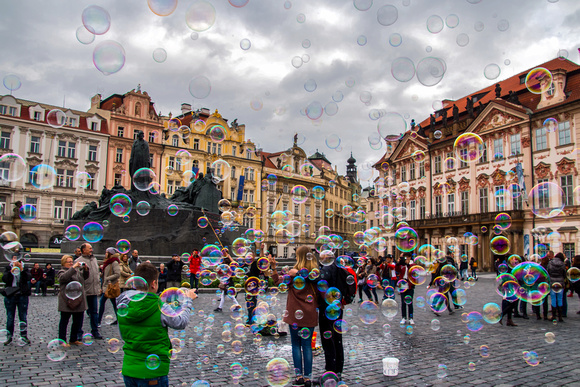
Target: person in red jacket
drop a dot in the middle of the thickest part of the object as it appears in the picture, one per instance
(402, 269)
(194, 267)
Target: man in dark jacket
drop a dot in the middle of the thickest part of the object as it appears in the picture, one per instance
(174, 269)
(16, 296)
(35, 278)
(134, 260)
(47, 278)
(332, 344)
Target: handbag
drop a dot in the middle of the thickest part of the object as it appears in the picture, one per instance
(113, 290)
(11, 291)
(73, 304)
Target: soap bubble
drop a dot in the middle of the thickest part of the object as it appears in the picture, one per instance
(162, 7)
(363, 5)
(430, 71)
(92, 232)
(56, 118)
(200, 16)
(172, 302)
(159, 55)
(56, 350)
(546, 199)
(491, 71)
(139, 285)
(96, 20)
(113, 345)
(143, 179)
(434, 24)
(245, 44)
(200, 87)
(109, 57)
(73, 290)
(120, 205)
(43, 176)
(278, 372)
(491, 313)
(13, 166)
(12, 82)
(538, 80)
(368, 312)
(72, 232)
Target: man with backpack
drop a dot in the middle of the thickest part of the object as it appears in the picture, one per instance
(337, 276)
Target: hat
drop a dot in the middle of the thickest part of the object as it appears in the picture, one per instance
(389, 255)
(113, 251)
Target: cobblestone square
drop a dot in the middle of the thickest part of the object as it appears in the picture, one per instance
(420, 353)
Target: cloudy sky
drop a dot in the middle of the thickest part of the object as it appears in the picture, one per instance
(347, 48)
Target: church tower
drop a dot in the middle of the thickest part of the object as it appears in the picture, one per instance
(351, 169)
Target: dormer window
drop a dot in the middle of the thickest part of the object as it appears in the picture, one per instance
(552, 89)
(37, 116)
(94, 124)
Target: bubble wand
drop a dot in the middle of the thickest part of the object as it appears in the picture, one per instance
(212, 229)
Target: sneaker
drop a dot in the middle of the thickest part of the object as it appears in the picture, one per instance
(307, 383)
(98, 325)
(76, 343)
(217, 310)
(97, 336)
(402, 322)
(298, 382)
(25, 340)
(458, 307)
(411, 322)
(8, 340)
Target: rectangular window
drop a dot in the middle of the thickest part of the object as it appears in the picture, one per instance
(498, 148)
(450, 162)
(515, 144)
(248, 154)
(412, 171)
(32, 175)
(234, 149)
(219, 149)
(91, 181)
(60, 177)
(69, 178)
(422, 208)
(233, 193)
(61, 149)
(462, 156)
(421, 169)
(196, 144)
(451, 204)
(372, 206)
(251, 196)
(209, 147)
(119, 155)
(567, 189)
(249, 174)
(71, 150)
(569, 250)
(178, 164)
(403, 173)
(564, 137)
(152, 136)
(306, 210)
(213, 148)
(483, 202)
(499, 198)
(118, 178)
(92, 153)
(437, 164)
(34, 144)
(3, 109)
(394, 175)
(245, 195)
(517, 200)
(270, 207)
(5, 140)
(413, 210)
(170, 187)
(94, 126)
(371, 223)
(68, 209)
(543, 195)
(483, 158)
(175, 141)
(438, 206)
(285, 206)
(541, 139)
(464, 203)
(5, 170)
(317, 212)
(151, 159)
(33, 201)
(58, 209)
(12, 111)
(120, 131)
(37, 116)
(233, 172)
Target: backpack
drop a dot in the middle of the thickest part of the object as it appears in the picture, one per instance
(336, 277)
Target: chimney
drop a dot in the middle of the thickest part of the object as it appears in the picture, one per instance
(185, 108)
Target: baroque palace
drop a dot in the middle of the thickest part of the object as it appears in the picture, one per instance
(529, 138)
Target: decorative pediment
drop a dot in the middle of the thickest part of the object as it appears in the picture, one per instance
(67, 136)
(119, 168)
(496, 119)
(464, 184)
(565, 167)
(437, 189)
(33, 160)
(421, 192)
(542, 171)
(92, 168)
(66, 164)
(496, 115)
(483, 180)
(498, 177)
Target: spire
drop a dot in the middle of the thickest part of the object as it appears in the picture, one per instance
(351, 172)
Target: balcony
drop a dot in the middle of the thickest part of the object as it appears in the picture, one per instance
(456, 219)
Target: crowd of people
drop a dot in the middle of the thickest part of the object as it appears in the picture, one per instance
(308, 306)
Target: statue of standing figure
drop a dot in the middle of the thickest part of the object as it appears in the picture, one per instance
(139, 156)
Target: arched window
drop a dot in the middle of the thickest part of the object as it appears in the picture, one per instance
(29, 240)
(175, 140)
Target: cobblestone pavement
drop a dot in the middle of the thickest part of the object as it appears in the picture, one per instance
(420, 353)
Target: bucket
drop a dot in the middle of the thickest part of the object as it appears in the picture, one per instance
(390, 366)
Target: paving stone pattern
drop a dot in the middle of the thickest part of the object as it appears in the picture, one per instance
(420, 353)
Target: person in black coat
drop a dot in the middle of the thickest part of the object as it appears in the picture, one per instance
(174, 269)
(47, 278)
(162, 278)
(16, 296)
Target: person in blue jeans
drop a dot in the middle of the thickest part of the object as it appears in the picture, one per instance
(92, 288)
(16, 297)
(557, 272)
